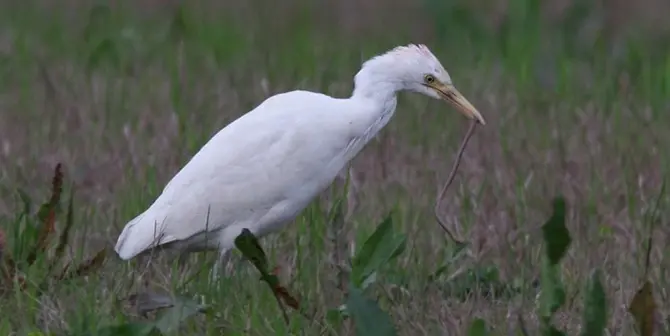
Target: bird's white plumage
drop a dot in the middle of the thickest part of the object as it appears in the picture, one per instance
(261, 170)
(258, 172)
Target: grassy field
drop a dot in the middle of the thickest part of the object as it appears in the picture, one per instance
(576, 99)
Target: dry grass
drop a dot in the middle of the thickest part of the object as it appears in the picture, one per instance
(122, 130)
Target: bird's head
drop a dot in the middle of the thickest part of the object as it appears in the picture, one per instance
(415, 68)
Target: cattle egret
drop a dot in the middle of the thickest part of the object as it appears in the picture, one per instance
(264, 168)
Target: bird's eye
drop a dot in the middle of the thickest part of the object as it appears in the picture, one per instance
(430, 79)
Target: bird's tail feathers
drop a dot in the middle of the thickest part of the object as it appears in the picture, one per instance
(140, 234)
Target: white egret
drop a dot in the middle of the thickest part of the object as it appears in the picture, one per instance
(264, 168)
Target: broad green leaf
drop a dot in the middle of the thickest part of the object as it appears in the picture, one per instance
(248, 244)
(128, 329)
(595, 307)
(643, 309)
(478, 328)
(556, 235)
(557, 240)
(400, 246)
(552, 295)
(182, 309)
(369, 319)
(369, 280)
(382, 246)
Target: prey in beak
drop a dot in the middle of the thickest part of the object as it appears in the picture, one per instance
(455, 98)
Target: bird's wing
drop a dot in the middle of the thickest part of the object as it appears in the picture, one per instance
(277, 154)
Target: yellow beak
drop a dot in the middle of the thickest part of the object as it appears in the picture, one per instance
(451, 95)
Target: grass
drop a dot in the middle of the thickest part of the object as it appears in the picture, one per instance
(575, 101)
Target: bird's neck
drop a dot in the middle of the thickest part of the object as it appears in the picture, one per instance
(373, 88)
(375, 84)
